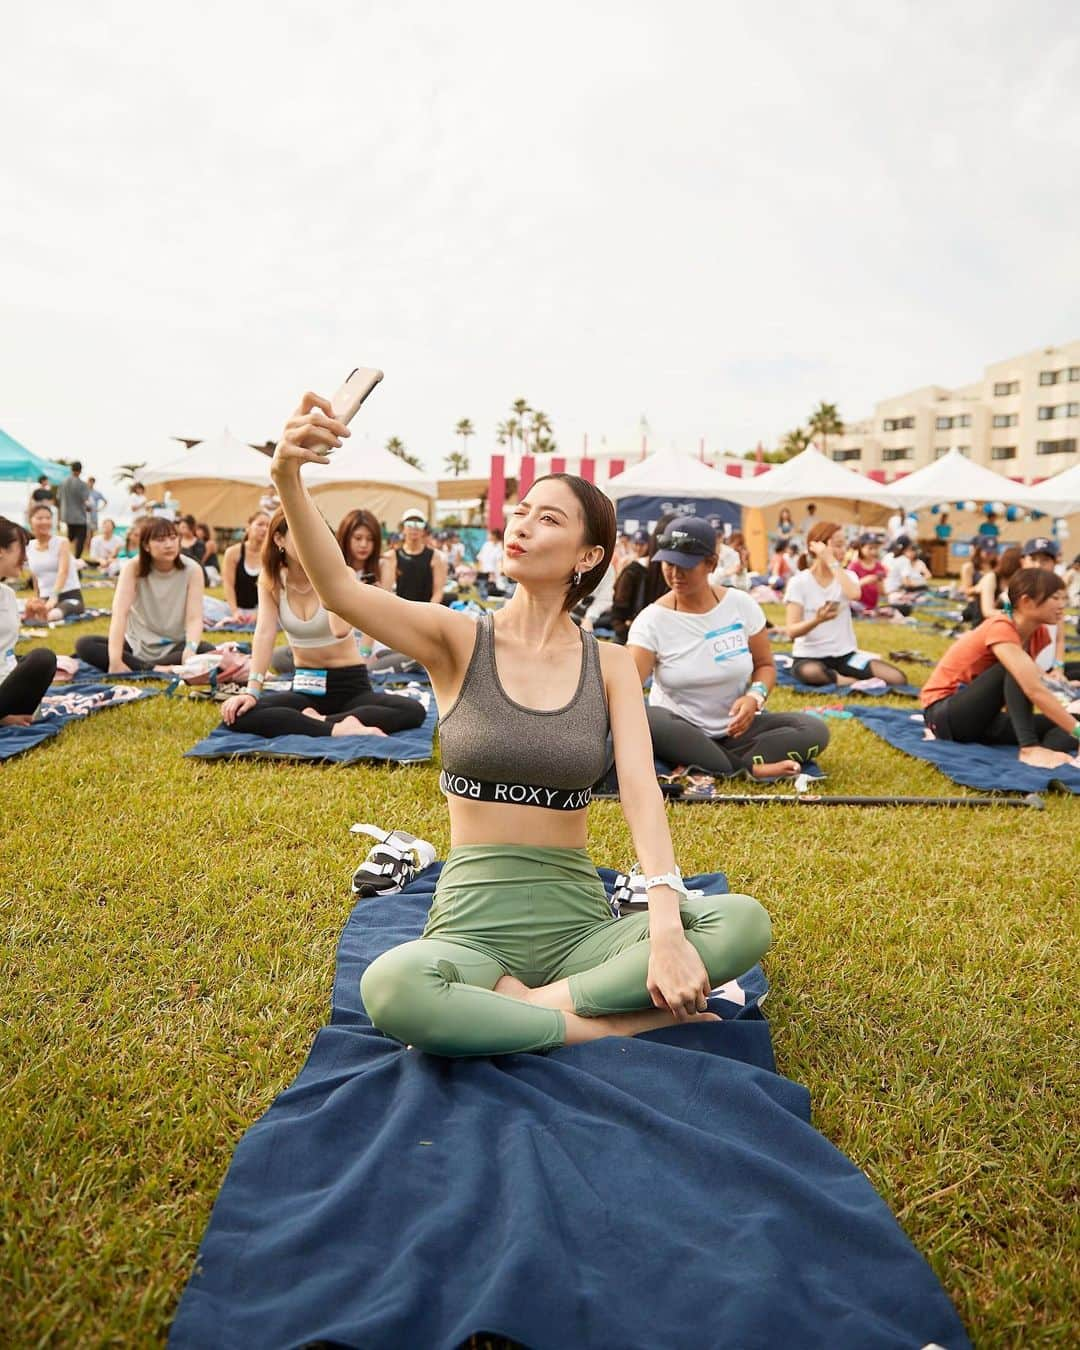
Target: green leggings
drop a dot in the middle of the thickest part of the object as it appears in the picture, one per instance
(541, 915)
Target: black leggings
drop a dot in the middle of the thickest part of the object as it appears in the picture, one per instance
(348, 694)
(974, 713)
(825, 669)
(770, 738)
(24, 687)
(94, 650)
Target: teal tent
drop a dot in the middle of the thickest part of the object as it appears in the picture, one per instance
(19, 465)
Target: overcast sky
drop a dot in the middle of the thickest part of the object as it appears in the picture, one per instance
(714, 214)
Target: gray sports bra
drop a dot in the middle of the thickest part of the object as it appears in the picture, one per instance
(313, 632)
(496, 750)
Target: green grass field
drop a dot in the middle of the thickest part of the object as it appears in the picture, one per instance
(169, 930)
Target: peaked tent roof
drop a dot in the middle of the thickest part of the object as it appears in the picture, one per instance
(812, 474)
(1059, 496)
(954, 478)
(359, 463)
(667, 472)
(223, 457)
(19, 465)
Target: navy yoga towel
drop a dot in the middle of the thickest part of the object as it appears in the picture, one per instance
(62, 704)
(403, 747)
(658, 1191)
(994, 768)
(786, 680)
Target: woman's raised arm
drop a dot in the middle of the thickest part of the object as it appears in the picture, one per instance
(437, 637)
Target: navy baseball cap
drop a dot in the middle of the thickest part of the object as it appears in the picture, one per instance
(685, 541)
(1041, 545)
(640, 537)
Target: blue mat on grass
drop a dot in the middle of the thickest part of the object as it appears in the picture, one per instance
(63, 703)
(34, 629)
(994, 768)
(630, 1193)
(785, 680)
(403, 747)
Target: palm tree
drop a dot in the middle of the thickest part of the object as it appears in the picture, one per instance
(396, 446)
(540, 428)
(794, 443)
(465, 429)
(521, 409)
(457, 463)
(545, 445)
(825, 421)
(128, 473)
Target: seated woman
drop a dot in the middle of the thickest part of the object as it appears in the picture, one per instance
(105, 548)
(870, 570)
(983, 688)
(782, 566)
(23, 679)
(992, 590)
(211, 561)
(241, 567)
(906, 575)
(332, 693)
(640, 582)
(709, 653)
(521, 951)
(157, 618)
(52, 565)
(984, 559)
(819, 599)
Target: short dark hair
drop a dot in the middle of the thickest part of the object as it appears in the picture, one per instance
(600, 529)
(76, 466)
(1037, 583)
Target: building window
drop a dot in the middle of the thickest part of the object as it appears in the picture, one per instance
(940, 451)
(1003, 452)
(1006, 419)
(1005, 387)
(1065, 447)
(900, 452)
(1052, 411)
(1074, 374)
(840, 455)
(898, 423)
(943, 423)
(1047, 376)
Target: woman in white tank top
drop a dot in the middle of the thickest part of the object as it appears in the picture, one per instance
(56, 579)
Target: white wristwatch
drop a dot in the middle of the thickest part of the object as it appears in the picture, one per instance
(672, 879)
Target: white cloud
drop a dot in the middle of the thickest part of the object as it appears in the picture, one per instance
(713, 214)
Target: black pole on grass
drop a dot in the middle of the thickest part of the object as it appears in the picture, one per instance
(1032, 799)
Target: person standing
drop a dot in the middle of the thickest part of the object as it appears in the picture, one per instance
(420, 572)
(489, 564)
(95, 504)
(74, 496)
(44, 492)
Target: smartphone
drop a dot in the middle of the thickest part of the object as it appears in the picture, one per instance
(346, 402)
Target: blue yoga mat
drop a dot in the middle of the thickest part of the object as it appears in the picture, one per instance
(630, 1192)
(16, 740)
(403, 747)
(994, 768)
(785, 680)
(33, 629)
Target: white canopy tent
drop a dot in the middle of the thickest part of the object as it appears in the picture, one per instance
(676, 474)
(809, 476)
(1057, 496)
(218, 481)
(371, 477)
(955, 478)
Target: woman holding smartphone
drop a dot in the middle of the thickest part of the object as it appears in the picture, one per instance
(819, 599)
(521, 951)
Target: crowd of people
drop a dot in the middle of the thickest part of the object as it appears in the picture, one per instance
(683, 602)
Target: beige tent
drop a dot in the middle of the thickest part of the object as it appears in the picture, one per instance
(371, 477)
(218, 481)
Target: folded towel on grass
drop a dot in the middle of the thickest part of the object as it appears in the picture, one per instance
(403, 747)
(63, 704)
(630, 1192)
(994, 768)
